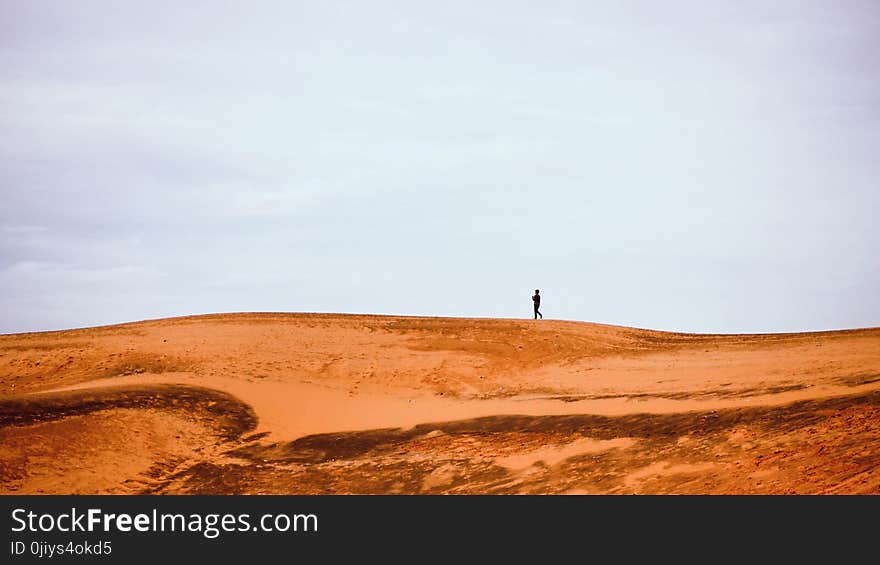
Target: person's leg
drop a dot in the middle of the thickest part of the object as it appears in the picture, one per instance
(536, 312)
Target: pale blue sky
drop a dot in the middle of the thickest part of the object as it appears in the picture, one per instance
(694, 166)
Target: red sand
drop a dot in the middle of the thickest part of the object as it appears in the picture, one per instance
(299, 403)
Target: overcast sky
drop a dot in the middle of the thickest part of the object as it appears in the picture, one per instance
(694, 166)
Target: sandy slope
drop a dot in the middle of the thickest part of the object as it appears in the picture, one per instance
(299, 403)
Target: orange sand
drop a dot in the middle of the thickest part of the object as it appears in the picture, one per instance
(307, 403)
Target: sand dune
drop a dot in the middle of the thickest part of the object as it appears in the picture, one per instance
(308, 403)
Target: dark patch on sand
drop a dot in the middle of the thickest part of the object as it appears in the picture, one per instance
(231, 416)
(858, 379)
(695, 395)
(346, 445)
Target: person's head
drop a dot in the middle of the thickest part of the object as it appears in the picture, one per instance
(537, 291)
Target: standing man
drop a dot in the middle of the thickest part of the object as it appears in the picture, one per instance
(537, 300)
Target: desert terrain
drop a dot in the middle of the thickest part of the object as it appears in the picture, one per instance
(269, 403)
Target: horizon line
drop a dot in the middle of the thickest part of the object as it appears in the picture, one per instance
(374, 315)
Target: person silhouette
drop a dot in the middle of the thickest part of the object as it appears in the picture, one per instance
(537, 300)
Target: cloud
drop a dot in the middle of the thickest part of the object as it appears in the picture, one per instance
(691, 167)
